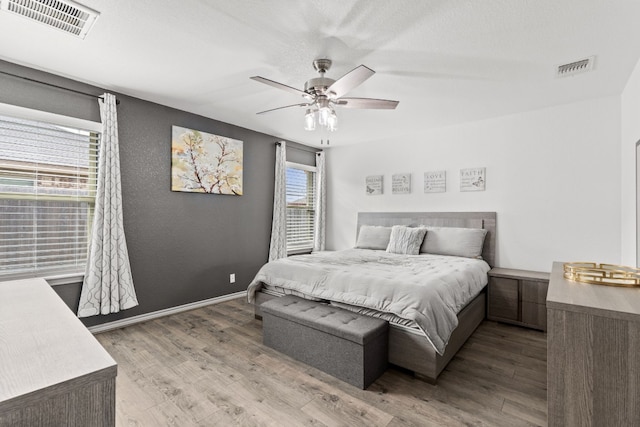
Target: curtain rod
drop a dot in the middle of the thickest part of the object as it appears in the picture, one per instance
(55, 86)
(301, 149)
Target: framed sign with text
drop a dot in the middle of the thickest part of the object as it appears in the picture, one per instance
(435, 182)
(473, 179)
(374, 185)
(401, 183)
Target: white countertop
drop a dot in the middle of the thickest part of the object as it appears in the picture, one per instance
(42, 343)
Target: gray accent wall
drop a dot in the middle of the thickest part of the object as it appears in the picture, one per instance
(182, 246)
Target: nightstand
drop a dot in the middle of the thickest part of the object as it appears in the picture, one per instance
(518, 297)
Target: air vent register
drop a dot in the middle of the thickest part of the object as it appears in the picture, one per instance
(64, 15)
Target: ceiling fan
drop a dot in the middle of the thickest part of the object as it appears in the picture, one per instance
(323, 94)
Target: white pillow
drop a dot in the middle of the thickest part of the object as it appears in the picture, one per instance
(464, 242)
(373, 237)
(406, 240)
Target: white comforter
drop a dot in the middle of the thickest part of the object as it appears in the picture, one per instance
(428, 289)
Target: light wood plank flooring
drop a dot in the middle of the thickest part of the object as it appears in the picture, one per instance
(208, 367)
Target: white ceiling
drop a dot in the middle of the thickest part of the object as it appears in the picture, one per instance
(446, 61)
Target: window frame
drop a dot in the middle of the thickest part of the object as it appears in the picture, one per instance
(307, 168)
(59, 277)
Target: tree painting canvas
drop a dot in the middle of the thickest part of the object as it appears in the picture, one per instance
(205, 163)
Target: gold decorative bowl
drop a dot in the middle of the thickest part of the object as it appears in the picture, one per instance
(602, 274)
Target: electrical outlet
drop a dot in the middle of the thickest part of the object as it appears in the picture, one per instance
(232, 278)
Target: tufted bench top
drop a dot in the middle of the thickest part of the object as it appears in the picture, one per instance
(335, 321)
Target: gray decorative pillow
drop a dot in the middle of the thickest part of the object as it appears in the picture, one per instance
(464, 242)
(373, 237)
(406, 240)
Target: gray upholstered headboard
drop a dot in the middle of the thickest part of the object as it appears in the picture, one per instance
(486, 220)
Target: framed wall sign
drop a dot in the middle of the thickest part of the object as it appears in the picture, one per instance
(435, 182)
(473, 179)
(374, 185)
(401, 183)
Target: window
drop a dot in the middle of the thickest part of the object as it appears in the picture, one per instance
(47, 195)
(301, 194)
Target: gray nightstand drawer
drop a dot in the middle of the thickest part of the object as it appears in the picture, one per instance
(503, 298)
(534, 291)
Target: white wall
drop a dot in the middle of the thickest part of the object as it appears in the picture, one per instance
(553, 177)
(630, 134)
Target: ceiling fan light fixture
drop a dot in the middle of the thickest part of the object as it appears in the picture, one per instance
(323, 116)
(309, 120)
(332, 121)
(326, 117)
(324, 110)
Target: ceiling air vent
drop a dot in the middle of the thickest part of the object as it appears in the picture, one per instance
(64, 15)
(576, 67)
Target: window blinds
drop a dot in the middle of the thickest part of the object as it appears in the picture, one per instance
(47, 192)
(301, 194)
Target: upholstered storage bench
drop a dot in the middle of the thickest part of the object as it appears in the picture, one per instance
(347, 345)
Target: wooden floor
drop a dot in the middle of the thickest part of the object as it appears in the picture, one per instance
(208, 367)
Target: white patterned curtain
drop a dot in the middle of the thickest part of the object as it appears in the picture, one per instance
(278, 247)
(108, 285)
(321, 203)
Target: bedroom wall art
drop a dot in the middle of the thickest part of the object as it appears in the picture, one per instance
(374, 185)
(401, 183)
(205, 163)
(435, 182)
(473, 179)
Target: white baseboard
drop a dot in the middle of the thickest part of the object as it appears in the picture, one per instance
(161, 313)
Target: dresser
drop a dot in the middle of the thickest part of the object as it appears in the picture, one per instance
(593, 353)
(53, 372)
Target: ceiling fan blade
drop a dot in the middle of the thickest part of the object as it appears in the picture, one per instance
(286, 106)
(380, 104)
(350, 80)
(281, 86)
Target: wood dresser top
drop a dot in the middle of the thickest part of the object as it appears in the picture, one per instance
(42, 343)
(599, 300)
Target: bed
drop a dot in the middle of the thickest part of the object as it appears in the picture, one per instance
(412, 344)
